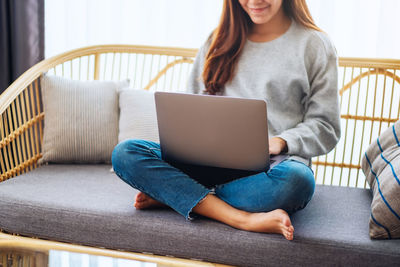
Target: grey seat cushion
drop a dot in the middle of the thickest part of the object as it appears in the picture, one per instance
(88, 204)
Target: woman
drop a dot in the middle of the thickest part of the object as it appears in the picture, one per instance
(267, 49)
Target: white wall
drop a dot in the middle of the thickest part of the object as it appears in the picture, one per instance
(180, 23)
(359, 28)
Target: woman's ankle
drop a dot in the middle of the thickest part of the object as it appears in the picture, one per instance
(213, 207)
(239, 219)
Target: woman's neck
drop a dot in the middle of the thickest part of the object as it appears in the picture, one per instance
(271, 30)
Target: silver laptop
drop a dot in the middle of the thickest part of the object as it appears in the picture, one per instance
(217, 131)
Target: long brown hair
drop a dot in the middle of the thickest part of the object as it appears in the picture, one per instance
(229, 38)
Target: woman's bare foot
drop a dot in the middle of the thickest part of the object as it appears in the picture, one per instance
(276, 221)
(143, 201)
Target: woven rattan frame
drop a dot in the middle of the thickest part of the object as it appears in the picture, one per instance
(369, 99)
(21, 109)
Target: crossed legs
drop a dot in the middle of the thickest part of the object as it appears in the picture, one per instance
(276, 221)
(256, 203)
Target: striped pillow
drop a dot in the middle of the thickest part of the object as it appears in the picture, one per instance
(81, 120)
(381, 166)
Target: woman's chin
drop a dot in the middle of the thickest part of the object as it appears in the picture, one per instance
(260, 20)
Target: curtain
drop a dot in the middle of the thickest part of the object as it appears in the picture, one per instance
(21, 38)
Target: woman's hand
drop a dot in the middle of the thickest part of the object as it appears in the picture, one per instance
(277, 145)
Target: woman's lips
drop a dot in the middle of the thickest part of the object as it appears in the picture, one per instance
(258, 10)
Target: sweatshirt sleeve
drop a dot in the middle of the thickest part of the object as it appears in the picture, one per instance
(195, 84)
(319, 131)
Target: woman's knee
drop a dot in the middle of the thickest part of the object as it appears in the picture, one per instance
(290, 187)
(300, 186)
(128, 152)
(302, 177)
(120, 151)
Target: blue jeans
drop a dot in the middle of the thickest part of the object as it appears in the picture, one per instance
(288, 186)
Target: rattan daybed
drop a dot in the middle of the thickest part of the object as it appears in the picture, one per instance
(331, 230)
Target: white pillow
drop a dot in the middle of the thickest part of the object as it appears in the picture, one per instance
(81, 120)
(138, 117)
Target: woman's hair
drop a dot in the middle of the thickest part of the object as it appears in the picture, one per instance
(228, 39)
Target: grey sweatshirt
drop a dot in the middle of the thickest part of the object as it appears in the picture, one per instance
(296, 74)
